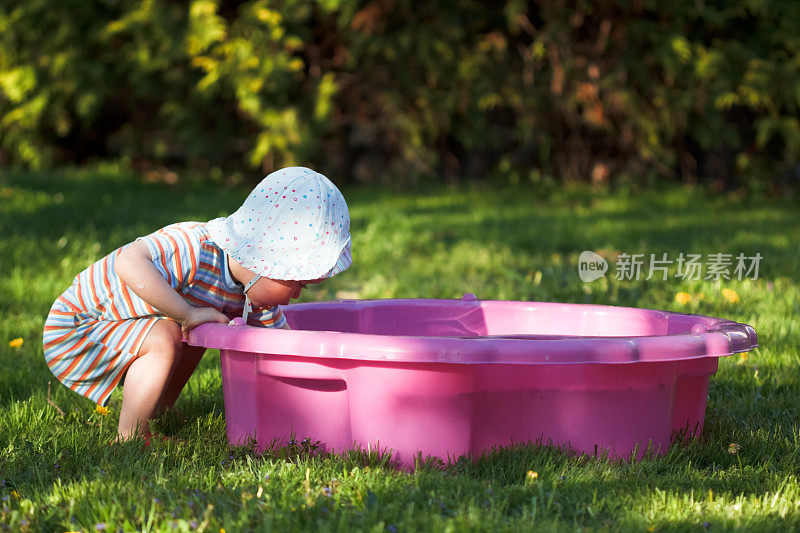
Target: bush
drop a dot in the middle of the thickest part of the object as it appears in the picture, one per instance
(157, 81)
(392, 89)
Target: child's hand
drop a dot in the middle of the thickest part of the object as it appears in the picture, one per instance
(201, 315)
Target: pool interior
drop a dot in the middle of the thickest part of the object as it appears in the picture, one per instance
(454, 318)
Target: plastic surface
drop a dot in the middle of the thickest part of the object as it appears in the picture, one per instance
(451, 377)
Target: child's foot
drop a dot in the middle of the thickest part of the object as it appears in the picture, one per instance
(147, 436)
(126, 438)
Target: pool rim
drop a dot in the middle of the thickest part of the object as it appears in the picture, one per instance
(708, 337)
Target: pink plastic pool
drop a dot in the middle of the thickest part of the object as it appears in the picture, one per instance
(452, 377)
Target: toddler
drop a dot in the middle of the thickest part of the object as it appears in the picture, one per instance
(124, 317)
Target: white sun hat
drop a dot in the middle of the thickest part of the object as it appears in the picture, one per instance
(295, 225)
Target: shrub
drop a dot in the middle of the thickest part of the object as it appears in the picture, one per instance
(392, 89)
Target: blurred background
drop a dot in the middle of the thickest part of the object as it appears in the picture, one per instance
(397, 92)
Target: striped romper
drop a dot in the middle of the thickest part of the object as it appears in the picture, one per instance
(96, 327)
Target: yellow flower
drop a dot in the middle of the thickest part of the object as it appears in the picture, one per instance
(730, 295)
(16, 343)
(743, 357)
(100, 410)
(15, 494)
(532, 474)
(683, 298)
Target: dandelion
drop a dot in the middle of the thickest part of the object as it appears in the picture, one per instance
(733, 448)
(730, 295)
(683, 298)
(15, 494)
(743, 357)
(533, 475)
(16, 343)
(100, 410)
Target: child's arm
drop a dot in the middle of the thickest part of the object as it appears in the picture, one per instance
(134, 266)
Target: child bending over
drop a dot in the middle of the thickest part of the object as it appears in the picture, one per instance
(124, 317)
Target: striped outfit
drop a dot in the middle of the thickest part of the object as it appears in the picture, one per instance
(96, 327)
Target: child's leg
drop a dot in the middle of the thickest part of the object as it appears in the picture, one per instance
(189, 358)
(147, 377)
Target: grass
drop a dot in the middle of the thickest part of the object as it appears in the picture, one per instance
(58, 473)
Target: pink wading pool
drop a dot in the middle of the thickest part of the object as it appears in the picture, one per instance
(452, 377)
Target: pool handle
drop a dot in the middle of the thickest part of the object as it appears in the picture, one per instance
(300, 368)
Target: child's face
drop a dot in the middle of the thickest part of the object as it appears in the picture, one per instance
(267, 292)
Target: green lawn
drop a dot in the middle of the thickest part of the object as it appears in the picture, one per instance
(58, 473)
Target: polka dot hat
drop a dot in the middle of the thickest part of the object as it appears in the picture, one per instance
(295, 225)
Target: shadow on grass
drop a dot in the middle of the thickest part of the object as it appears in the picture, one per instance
(105, 202)
(115, 209)
(649, 224)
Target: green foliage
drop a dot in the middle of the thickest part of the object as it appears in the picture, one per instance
(155, 80)
(386, 90)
